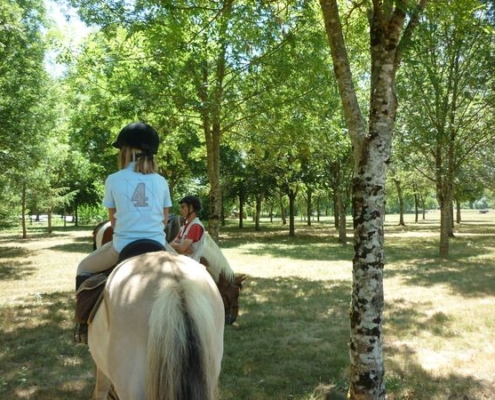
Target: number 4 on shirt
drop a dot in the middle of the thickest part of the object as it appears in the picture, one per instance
(139, 196)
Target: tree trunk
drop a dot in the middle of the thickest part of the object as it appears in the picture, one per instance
(309, 200)
(318, 208)
(23, 208)
(259, 200)
(211, 114)
(444, 229)
(444, 186)
(451, 225)
(283, 211)
(342, 217)
(416, 208)
(241, 209)
(50, 227)
(336, 200)
(372, 151)
(76, 215)
(400, 195)
(292, 201)
(222, 215)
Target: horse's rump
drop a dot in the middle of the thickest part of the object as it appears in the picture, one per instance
(162, 314)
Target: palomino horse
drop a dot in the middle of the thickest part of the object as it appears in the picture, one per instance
(212, 257)
(158, 334)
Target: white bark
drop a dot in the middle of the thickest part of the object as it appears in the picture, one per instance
(372, 150)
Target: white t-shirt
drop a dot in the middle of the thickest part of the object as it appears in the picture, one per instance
(139, 200)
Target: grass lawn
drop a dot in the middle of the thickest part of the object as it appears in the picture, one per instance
(290, 341)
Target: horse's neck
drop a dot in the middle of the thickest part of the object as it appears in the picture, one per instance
(218, 264)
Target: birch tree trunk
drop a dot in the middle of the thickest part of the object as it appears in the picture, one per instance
(372, 148)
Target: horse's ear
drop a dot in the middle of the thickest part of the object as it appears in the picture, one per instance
(239, 279)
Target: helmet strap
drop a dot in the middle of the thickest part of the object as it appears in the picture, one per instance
(189, 206)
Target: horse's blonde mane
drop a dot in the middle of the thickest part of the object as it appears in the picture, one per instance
(217, 263)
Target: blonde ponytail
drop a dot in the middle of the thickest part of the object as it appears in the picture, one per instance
(145, 163)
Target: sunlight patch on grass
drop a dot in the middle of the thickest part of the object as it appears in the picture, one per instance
(263, 266)
(27, 393)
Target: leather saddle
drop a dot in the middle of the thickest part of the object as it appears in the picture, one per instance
(90, 293)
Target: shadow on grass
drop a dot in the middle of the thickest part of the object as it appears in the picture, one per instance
(464, 278)
(409, 380)
(467, 272)
(405, 376)
(311, 243)
(37, 359)
(78, 245)
(415, 259)
(290, 337)
(320, 242)
(290, 342)
(11, 269)
(15, 270)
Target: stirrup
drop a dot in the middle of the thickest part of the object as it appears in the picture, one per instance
(81, 333)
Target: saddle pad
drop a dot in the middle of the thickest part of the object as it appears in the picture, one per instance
(88, 298)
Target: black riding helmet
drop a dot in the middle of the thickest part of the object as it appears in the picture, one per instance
(140, 136)
(192, 201)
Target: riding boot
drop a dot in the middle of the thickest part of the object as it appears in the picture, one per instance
(81, 329)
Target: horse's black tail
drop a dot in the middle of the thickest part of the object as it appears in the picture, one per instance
(183, 359)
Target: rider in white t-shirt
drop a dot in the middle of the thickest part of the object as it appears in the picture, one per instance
(137, 198)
